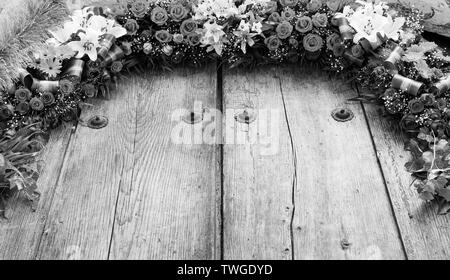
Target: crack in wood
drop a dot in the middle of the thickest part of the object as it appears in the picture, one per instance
(294, 179)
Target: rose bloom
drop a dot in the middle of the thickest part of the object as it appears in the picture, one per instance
(131, 26)
(314, 5)
(333, 40)
(357, 51)
(409, 123)
(36, 104)
(338, 50)
(163, 36)
(335, 5)
(427, 99)
(271, 7)
(178, 12)
(66, 87)
(416, 106)
(6, 112)
(188, 26)
(116, 66)
(89, 90)
(304, 24)
(284, 30)
(288, 3)
(139, 8)
(194, 39)
(147, 34)
(178, 38)
(147, 48)
(167, 50)
(48, 98)
(23, 94)
(275, 17)
(272, 43)
(312, 42)
(320, 20)
(23, 108)
(159, 16)
(293, 42)
(287, 14)
(126, 48)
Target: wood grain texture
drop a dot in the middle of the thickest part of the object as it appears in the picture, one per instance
(258, 169)
(98, 163)
(171, 208)
(21, 233)
(342, 206)
(425, 235)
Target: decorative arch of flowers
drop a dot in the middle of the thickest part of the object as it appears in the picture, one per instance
(380, 45)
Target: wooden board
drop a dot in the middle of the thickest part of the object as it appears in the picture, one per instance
(258, 171)
(171, 208)
(98, 163)
(343, 210)
(21, 234)
(425, 235)
(341, 207)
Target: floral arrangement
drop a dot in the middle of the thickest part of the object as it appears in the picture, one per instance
(379, 45)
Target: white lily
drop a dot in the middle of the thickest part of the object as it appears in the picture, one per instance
(106, 26)
(88, 44)
(62, 35)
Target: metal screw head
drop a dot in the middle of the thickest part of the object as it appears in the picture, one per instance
(193, 117)
(246, 116)
(342, 115)
(97, 122)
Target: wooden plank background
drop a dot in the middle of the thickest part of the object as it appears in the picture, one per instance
(329, 191)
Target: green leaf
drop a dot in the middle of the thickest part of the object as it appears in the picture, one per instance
(445, 193)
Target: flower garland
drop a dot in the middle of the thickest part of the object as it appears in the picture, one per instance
(379, 44)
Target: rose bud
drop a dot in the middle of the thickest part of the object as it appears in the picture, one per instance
(48, 98)
(36, 104)
(416, 106)
(23, 94)
(22, 108)
(6, 112)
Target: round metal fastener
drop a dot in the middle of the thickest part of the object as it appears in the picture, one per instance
(97, 122)
(245, 116)
(192, 118)
(342, 115)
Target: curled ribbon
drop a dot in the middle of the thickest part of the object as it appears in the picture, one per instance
(351, 58)
(75, 69)
(391, 62)
(115, 53)
(410, 86)
(347, 32)
(34, 84)
(105, 45)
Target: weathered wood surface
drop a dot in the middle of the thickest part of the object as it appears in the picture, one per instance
(20, 235)
(342, 207)
(171, 208)
(98, 164)
(318, 189)
(425, 235)
(128, 191)
(258, 169)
